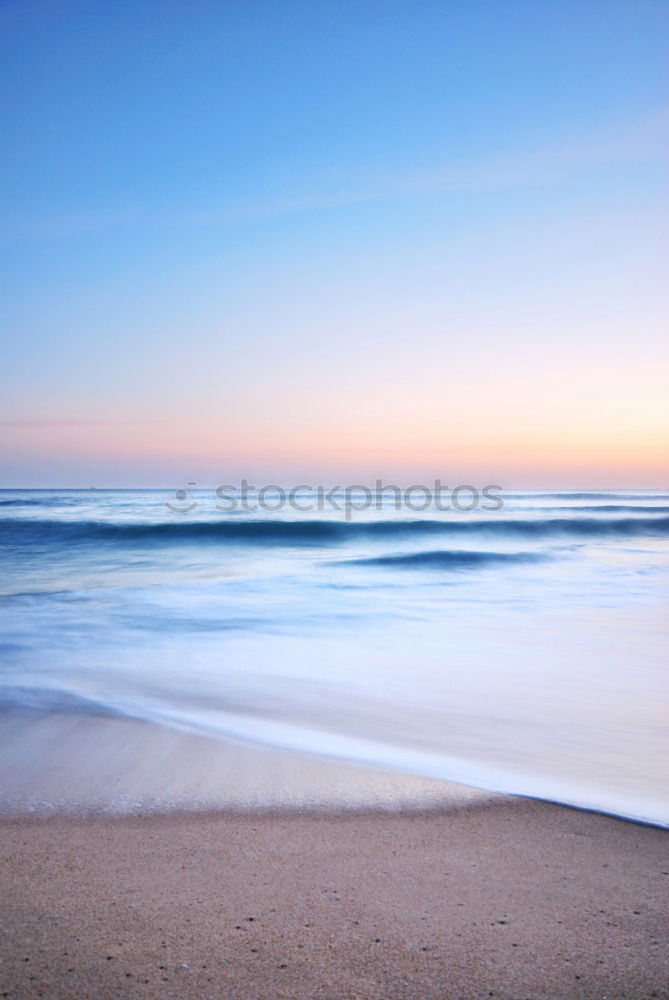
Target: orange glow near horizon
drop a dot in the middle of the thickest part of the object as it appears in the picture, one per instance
(509, 444)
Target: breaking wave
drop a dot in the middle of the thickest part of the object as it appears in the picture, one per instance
(448, 560)
(317, 532)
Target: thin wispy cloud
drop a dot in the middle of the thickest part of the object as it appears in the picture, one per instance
(641, 139)
(644, 138)
(65, 224)
(46, 424)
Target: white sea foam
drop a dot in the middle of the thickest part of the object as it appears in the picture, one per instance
(522, 655)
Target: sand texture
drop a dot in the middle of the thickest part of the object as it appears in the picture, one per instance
(513, 899)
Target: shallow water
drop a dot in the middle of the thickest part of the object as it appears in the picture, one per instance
(521, 650)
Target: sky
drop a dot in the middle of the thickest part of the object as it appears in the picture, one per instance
(310, 241)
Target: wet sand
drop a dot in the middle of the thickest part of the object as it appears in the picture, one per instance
(508, 899)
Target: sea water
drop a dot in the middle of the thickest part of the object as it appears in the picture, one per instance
(520, 650)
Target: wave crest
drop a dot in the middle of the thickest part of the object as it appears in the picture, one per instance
(317, 533)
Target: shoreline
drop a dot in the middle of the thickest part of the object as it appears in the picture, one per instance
(326, 811)
(507, 898)
(78, 764)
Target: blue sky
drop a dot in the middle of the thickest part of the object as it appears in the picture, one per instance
(306, 238)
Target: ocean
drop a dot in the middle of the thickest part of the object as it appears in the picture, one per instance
(161, 652)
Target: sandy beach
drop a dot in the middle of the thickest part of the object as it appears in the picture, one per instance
(508, 899)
